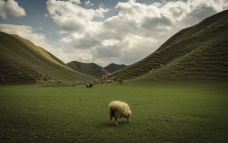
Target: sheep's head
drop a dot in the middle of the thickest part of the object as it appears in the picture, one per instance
(128, 115)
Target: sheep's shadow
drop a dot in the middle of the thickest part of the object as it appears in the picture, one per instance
(107, 124)
(111, 125)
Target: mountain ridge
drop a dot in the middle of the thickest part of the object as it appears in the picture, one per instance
(93, 69)
(112, 67)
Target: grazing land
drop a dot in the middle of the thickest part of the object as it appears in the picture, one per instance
(160, 113)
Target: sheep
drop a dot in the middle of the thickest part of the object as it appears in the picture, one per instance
(119, 110)
(89, 85)
(120, 81)
(108, 81)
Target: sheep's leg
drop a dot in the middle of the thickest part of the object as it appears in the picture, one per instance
(128, 119)
(117, 116)
(122, 120)
(116, 120)
(112, 114)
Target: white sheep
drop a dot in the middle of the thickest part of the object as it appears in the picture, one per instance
(119, 110)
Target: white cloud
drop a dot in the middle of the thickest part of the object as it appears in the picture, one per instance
(71, 16)
(75, 1)
(45, 15)
(110, 42)
(82, 55)
(10, 8)
(136, 31)
(66, 39)
(23, 31)
(88, 4)
(100, 12)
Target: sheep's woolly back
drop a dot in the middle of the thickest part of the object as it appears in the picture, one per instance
(120, 107)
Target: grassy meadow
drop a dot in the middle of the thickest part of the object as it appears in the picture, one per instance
(161, 113)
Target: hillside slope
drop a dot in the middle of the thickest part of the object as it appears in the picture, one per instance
(91, 69)
(197, 52)
(114, 67)
(23, 62)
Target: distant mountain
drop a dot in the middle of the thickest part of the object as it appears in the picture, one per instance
(114, 67)
(23, 62)
(199, 52)
(91, 69)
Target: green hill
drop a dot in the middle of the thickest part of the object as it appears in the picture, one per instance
(23, 62)
(91, 69)
(197, 52)
(114, 67)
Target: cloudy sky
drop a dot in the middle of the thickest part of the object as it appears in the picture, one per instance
(102, 31)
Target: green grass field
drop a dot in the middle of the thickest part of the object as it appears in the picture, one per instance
(161, 113)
